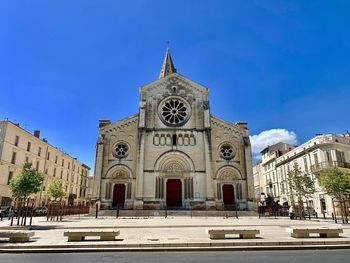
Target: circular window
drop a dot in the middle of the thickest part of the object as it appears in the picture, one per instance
(121, 150)
(227, 151)
(174, 111)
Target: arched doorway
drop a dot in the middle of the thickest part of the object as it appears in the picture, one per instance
(174, 193)
(228, 194)
(118, 195)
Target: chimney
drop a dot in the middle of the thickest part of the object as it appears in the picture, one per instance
(103, 122)
(37, 133)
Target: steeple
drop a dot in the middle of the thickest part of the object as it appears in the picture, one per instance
(168, 65)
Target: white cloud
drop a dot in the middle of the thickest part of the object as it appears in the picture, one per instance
(269, 137)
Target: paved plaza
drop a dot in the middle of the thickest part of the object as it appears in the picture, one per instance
(172, 233)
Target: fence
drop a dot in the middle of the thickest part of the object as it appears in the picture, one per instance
(58, 211)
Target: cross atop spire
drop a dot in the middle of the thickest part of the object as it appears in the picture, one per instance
(168, 65)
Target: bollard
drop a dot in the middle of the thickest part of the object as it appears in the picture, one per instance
(96, 210)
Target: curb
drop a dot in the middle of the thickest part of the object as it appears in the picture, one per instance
(169, 249)
(219, 246)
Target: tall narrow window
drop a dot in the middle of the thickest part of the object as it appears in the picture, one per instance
(305, 163)
(27, 159)
(54, 171)
(174, 139)
(68, 165)
(39, 151)
(340, 156)
(13, 159)
(37, 165)
(56, 159)
(16, 140)
(316, 158)
(10, 177)
(28, 146)
(62, 162)
(48, 155)
(329, 156)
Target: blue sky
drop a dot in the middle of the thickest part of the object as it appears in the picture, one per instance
(276, 64)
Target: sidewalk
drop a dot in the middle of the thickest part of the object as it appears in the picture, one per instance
(172, 233)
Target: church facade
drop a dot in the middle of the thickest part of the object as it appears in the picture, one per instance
(173, 153)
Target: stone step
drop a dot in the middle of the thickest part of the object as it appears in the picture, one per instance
(163, 213)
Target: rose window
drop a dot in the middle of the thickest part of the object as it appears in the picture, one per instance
(121, 150)
(227, 151)
(174, 111)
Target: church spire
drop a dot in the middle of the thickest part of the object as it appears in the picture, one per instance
(168, 65)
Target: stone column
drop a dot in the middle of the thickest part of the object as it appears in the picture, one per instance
(96, 193)
(249, 173)
(138, 203)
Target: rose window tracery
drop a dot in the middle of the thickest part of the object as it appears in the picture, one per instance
(121, 150)
(174, 111)
(227, 151)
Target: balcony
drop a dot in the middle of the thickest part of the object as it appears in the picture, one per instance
(325, 165)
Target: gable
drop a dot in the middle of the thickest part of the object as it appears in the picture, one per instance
(227, 126)
(121, 124)
(163, 87)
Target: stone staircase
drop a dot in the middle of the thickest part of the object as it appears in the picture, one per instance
(172, 213)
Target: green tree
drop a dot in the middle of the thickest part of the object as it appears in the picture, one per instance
(55, 189)
(26, 183)
(300, 184)
(336, 183)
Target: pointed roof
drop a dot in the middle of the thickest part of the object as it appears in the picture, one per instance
(168, 65)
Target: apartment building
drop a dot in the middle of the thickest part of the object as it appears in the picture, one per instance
(17, 146)
(266, 180)
(319, 153)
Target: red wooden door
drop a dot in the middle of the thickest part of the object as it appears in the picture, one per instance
(228, 194)
(173, 192)
(118, 194)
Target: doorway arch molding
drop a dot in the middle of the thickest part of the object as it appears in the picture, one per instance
(174, 162)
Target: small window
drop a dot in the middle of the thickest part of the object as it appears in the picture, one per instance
(13, 158)
(37, 165)
(27, 159)
(10, 177)
(174, 139)
(68, 165)
(54, 172)
(16, 140)
(28, 146)
(39, 151)
(62, 162)
(61, 174)
(56, 157)
(48, 155)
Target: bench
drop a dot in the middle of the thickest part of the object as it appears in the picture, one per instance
(305, 232)
(243, 233)
(80, 235)
(17, 236)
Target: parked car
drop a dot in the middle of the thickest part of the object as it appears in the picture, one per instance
(310, 210)
(40, 211)
(5, 211)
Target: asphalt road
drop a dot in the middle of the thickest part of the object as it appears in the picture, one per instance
(300, 256)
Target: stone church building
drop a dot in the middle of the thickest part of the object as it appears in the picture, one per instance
(173, 153)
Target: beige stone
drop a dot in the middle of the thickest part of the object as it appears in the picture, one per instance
(173, 153)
